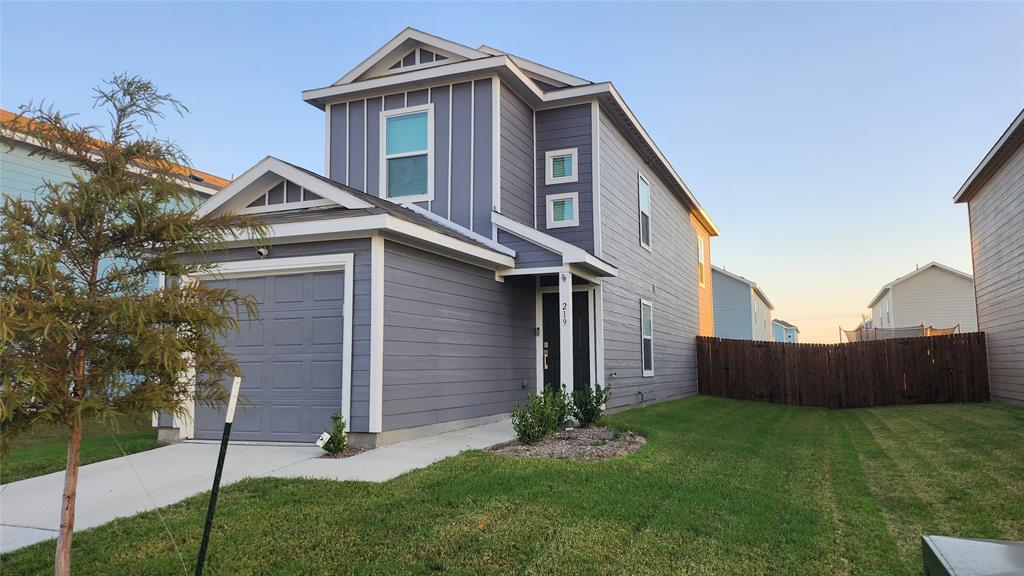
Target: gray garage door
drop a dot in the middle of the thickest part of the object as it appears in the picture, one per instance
(291, 359)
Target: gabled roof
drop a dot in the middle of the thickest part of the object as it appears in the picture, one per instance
(1007, 144)
(549, 75)
(753, 285)
(784, 324)
(197, 180)
(515, 73)
(906, 277)
(349, 202)
(403, 42)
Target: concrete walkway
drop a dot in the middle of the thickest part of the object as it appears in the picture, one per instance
(29, 509)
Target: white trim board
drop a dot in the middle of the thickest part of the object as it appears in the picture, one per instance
(570, 254)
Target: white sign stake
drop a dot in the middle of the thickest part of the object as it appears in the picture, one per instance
(233, 401)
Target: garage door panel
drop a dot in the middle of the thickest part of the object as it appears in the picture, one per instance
(287, 375)
(288, 331)
(327, 330)
(326, 287)
(325, 374)
(291, 359)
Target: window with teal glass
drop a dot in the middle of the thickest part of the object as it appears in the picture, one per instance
(406, 173)
(561, 166)
(562, 210)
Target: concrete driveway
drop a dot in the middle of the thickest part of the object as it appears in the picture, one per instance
(29, 509)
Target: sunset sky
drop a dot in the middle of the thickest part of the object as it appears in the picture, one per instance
(826, 140)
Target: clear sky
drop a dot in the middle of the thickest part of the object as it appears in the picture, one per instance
(826, 140)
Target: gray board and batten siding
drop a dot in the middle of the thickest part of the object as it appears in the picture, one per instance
(462, 147)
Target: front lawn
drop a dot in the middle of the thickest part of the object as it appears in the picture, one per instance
(722, 487)
(45, 449)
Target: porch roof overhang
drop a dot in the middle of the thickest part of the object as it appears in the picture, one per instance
(573, 257)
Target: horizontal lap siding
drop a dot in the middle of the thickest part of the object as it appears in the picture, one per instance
(665, 277)
(705, 294)
(22, 175)
(732, 305)
(558, 129)
(997, 235)
(516, 158)
(457, 343)
(360, 308)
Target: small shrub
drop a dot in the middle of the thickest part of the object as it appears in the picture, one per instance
(338, 441)
(586, 405)
(540, 416)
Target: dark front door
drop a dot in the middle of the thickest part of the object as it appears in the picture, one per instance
(580, 340)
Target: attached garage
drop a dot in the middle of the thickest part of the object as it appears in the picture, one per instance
(293, 357)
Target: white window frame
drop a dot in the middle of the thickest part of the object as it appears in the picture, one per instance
(552, 198)
(646, 373)
(701, 260)
(384, 157)
(640, 178)
(284, 205)
(549, 157)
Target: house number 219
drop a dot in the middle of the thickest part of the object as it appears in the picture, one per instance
(565, 317)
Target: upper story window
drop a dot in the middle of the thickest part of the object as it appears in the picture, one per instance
(417, 56)
(701, 268)
(562, 210)
(644, 198)
(284, 192)
(407, 170)
(561, 166)
(647, 337)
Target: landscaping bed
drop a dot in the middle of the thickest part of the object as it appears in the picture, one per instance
(592, 443)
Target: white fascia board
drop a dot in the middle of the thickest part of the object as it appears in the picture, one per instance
(878, 296)
(284, 170)
(488, 63)
(383, 223)
(461, 230)
(403, 36)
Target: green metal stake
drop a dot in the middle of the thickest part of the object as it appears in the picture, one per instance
(228, 419)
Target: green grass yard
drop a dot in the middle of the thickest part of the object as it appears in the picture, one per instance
(45, 450)
(722, 487)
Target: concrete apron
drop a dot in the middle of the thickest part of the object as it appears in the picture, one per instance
(29, 509)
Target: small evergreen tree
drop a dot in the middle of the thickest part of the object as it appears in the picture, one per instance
(82, 333)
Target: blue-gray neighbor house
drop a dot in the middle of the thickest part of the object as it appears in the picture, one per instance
(785, 332)
(742, 310)
(485, 227)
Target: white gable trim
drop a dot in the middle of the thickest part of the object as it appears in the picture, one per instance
(288, 172)
(397, 41)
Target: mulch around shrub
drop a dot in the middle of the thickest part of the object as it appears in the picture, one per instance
(594, 443)
(348, 451)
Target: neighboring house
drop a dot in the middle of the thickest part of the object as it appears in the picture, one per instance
(785, 332)
(22, 174)
(932, 296)
(742, 311)
(994, 194)
(487, 227)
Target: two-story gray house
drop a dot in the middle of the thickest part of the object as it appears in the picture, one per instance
(485, 227)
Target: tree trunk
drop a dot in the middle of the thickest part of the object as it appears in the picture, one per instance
(62, 563)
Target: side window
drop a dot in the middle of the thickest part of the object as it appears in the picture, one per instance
(562, 210)
(701, 272)
(647, 337)
(560, 166)
(407, 169)
(644, 199)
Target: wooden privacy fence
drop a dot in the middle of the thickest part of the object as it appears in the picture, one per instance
(922, 370)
